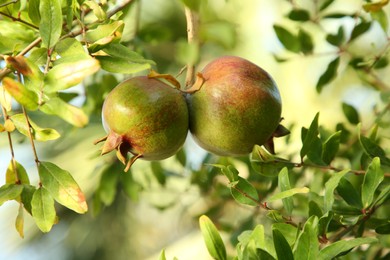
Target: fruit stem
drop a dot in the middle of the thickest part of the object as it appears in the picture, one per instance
(192, 19)
(131, 161)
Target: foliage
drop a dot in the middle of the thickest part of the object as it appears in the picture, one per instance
(324, 200)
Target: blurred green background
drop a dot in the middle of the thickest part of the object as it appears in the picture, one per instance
(165, 216)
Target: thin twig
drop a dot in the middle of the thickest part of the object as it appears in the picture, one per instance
(8, 3)
(192, 18)
(30, 136)
(19, 20)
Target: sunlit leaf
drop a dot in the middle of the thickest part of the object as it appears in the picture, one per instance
(16, 173)
(307, 246)
(301, 15)
(71, 47)
(69, 113)
(381, 17)
(330, 186)
(287, 193)
(62, 187)
(9, 126)
(284, 185)
(212, 238)
(97, 10)
(43, 210)
(21, 94)
(121, 65)
(5, 99)
(11, 38)
(19, 221)
(282, 248)
(325, 4)
(244, 193)
(330, 147)
(289, 40)
(69, 74)
(329, 74)
(373, 177)
(10, 192)
(50, 25)
(351, 113)
(162, 255)
(375, 6)
(309, 138)
(19, 64)
(265, 163)
(342, 246)
(104, 34)
(38, 133)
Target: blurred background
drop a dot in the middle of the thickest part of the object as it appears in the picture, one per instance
(160, 205)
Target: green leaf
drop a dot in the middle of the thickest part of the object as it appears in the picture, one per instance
(373, 150)
(342, 246)
(383, 196)
(12, 40)
(71, 47)
(50, 25)
(287, 193)
(375, 6)
(219, 32)
(307, 246)
(192, 4)
(306, 42)
(69, 74)
(27, 195)
(130, 187)
(282, 248)
(323, 223)
(162, 255)
(158, 172)
(381, 17)
(330, 186)
(43, 210)
(62, 187)
(244, 193)
(69, 113)
(38, 133)
(331, 147)
(121, 65)
(19, 222)
(21, 94)
(121, 51)
(212, 238)
(383, 229)
(329, 74)
(103, 35)
(325, 4)
(346, 190)
(373, 177)
(336, 39)
(16, 173)
(351, 114)
(108, 185)
(10, 192)
(231, 173)
(97, 10)
(301, 15)
(316, 151)
(289, 232)
(309, 138)
(284, 185)
(33, 11)
(359, 29)
(265, 163)
(287, 39)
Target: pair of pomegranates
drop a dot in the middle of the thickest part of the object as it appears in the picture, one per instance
(236, 106)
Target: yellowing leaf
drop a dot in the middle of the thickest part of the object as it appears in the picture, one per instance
(62, 187)
(21, 94)
(38, 133)
(68, 74)
(5, 99)
(375, 6)
(19, 222)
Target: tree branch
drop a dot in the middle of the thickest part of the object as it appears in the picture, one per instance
(192, 18)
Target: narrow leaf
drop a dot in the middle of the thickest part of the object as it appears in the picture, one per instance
(21, 94)
(212, 238)
(381, 17)
(301, 15)
(26, 197)
(373, 177)
(121, 65)
(307, 246)
(287, 193)
(306, 42)
(373, 150)
(329, 74)
(10, 192)
(330, 186)
(359, 29)
(309, 138)
(342, 246)
(383, 229)
(62, 187)
(43, 210)
(244, 193)
(336, 39)
(326, 4)
(284, 185)
(50, 25)
(19, 222)
(282, 248)
(288, 40)
(348, 192)
(330, 147)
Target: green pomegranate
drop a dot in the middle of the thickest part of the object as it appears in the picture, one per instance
(237, 107)
(145, 117)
